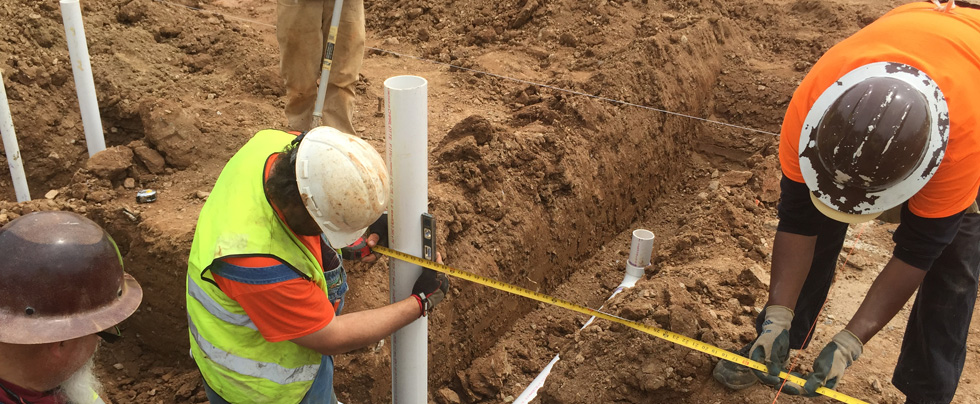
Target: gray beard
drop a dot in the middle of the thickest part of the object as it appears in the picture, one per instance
(81, 385)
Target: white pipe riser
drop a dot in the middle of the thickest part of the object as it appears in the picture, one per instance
(641, 252)
(641, 247)
(406, 148)
(14, 160)
(81, 67)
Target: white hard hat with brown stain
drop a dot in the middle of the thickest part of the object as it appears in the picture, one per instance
(343, 182)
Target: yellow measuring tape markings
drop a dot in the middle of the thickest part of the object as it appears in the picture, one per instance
(654, 331)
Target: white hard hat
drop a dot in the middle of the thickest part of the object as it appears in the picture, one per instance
(343, 182)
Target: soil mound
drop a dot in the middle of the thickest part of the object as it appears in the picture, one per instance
(556, 127)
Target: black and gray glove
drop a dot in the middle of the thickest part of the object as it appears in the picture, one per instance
(771, 347)
(430, 288)
(839, 354)
(380, 227)
(359, 249)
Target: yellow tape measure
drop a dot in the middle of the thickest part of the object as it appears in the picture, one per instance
(654, 331)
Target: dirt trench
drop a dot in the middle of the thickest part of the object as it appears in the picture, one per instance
(532, 186)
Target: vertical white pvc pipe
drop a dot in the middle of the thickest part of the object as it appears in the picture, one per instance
(14, 160)
(81, 66)
(406, 146)
(641, 250)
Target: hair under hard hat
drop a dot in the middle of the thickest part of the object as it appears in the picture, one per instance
(872, 140)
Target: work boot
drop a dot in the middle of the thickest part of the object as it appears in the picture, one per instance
(735, 376)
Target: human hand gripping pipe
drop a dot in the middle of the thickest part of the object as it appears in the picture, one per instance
(641, 249)
(654, 331)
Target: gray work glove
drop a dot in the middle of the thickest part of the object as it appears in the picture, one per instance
(430, 288)
(771, 347)
(841, 352)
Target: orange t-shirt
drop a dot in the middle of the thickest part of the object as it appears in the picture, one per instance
(280, 311)
(283, 310)
(944, 46)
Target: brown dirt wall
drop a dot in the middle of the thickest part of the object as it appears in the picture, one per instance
(531, 186)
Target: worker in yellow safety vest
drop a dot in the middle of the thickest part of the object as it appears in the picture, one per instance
(265, 285)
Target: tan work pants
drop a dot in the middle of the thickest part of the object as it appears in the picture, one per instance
(301, 29)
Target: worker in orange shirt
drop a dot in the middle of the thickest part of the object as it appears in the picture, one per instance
(887, 122)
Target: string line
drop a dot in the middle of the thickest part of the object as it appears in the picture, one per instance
(502, 77)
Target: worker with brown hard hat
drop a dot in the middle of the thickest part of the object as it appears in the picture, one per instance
(265, 285)
(62, 288)
(885, 125)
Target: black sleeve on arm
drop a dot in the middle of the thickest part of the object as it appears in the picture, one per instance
(919, 241)
(797, 215)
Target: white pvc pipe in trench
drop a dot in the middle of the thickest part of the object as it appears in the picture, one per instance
(641, 249)
(14, 161)
(81, 66)
(406, 146)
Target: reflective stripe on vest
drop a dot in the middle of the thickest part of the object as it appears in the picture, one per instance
(215, 308)
(237, 362)
(266, 370)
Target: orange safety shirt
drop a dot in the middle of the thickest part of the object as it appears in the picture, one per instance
(282, 310)
(946, 46)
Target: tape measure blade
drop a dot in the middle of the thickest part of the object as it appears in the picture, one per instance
(656, 332)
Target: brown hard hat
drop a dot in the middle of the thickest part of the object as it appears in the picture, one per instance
(873, 139)
(61, 277)
(874, 134)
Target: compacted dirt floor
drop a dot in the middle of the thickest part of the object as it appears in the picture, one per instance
(556, 127)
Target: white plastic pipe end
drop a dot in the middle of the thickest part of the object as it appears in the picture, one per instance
(641, 248)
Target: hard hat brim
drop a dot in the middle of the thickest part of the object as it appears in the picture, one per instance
(841, 216)
(858, 201)
(341, 239)
(20, 329)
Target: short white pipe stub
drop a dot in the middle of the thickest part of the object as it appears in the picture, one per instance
(641, 247)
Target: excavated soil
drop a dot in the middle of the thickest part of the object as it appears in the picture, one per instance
(532, 185)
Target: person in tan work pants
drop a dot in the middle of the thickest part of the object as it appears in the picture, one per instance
(301, 29)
